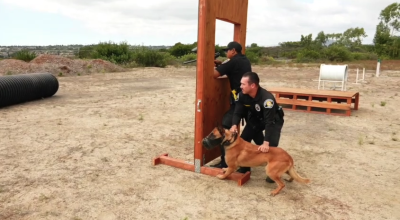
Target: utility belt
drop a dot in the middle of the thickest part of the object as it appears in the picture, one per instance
(280, 112)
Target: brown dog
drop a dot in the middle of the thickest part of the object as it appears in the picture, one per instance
(240, 153)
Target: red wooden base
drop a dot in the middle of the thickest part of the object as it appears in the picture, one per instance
(165, 159)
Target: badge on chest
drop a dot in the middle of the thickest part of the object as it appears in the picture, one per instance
(257, 107)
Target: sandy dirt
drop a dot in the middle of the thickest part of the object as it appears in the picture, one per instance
(86, 153)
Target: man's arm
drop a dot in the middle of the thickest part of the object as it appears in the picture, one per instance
(237, 114)
(269, 118)
(223, 69)
(216, 74)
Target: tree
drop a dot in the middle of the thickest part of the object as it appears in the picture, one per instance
(333, 38)
(306, 41)
(390, 16)
(321, 39)
(385, 39)
(352, 37)
(382, 39)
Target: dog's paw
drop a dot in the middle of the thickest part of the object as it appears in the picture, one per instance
(275, 192)
(220, 176)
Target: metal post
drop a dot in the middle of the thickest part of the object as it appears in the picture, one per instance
(378, 66)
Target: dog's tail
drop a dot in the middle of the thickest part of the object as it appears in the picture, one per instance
(294, 175)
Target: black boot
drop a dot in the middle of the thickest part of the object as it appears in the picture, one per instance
(221, 164)
(243, 169)
(269, 180)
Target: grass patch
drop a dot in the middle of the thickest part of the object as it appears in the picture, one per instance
(360, 140)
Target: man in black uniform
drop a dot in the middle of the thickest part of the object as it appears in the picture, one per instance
(234, 67)
(265, 114)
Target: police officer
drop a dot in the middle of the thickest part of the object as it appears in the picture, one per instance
(234, 67)
(265, 114)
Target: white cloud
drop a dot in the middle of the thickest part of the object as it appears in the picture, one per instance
(170, 21)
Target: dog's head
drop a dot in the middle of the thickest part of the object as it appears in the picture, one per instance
(219, 136)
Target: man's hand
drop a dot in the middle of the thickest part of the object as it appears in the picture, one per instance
(233, 129)
(217, 62)
(264, 147)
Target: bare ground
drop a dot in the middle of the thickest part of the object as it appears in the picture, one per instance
(86, 153)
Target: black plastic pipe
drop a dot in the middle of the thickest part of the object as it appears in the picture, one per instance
(16, 89)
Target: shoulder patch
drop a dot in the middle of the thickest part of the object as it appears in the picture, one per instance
(269, 103)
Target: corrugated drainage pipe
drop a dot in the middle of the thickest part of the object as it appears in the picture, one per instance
(16, 89)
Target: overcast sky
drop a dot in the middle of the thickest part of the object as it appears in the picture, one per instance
(166, 22)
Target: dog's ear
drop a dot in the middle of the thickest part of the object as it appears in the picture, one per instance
(235, 135)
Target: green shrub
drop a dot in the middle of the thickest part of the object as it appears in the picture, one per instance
(115, 53)
(86, 52)
(267, 60)
(187, 57)
(338, 53)
(289, 54)
(307, 55)
(150, 58)
(220, 50)
(180, 49)
(254, 49)
(253, 57)
(24, 55)
(364, 56)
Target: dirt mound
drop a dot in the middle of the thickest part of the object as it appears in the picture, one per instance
(11, 66)
(57, 65)
(52, 59)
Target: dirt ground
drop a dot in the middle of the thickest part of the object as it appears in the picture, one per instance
(86, 153)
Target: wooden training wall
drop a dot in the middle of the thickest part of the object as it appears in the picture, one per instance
(212, 95)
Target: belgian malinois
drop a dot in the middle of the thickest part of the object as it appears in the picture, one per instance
(240, 153)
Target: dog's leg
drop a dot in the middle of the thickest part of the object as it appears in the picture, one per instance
(291, 178)
(280, 184)
(275, 172)
(228, 171)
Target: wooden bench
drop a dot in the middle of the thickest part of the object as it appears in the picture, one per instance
(309, 104)
(333, 102)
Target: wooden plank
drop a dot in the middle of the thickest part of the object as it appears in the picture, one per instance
(240, 178)
(317, 112)
(313, 104)
(315, 92)
(328, 110)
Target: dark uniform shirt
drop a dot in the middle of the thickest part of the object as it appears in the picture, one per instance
(263, 110)
(234, 70)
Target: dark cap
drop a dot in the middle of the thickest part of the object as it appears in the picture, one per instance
(234, 45)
